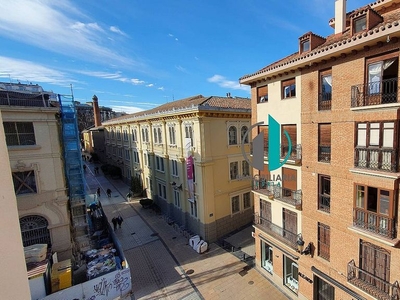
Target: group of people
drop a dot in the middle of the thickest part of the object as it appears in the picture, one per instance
(108, 191)
(117, 222)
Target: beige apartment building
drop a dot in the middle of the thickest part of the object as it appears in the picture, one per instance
(32, 136)
(188, 154)
(344, 90)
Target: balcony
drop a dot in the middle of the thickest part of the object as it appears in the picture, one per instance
(267, 188)
(324, 101)
(11, 98)
(380, 159)
(375, 93)
(281, 234)
(294, 155)
(373, 222)
(372, 284)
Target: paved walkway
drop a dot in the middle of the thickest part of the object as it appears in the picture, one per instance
(164, 266)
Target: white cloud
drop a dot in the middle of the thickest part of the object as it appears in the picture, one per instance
(117, 30)
(225, 83)
(127, 109)
(24, 70)
(161, 88)
(180, 68)
(113, 76)
(57, 26)
(150, 85)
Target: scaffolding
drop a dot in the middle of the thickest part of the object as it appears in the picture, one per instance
(74, 173)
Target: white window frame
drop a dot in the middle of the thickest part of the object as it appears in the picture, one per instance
(235, 198)
(267, 257)
(232, 137)
(193, 208)
(177, 198)
(174, 168)
(160, 164)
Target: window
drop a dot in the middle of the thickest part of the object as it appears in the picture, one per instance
(289, 183)
(375, 262)
(324, 142)
(288, 88)
(264, 129)
(374, 210)
(234, 170)
(245, 168)
(34, 230)
(193, 208)
(118, 134)
(324, 237)
(360, 24)
(265, 212)
(174, 164)
(19, 133)
(155, 136)
(162, 191)
(246, 200)
(382, 79)
(127, 155)
(136, 157)
(125, 134)
(177, 200)
(323, 290)
(305, 46)
(171, 131)
(325, 93)
(324, 193)
(267, 256)
(24, 182)
(289, 219)
(189, 133)
(235, 204)
(134, 135)
(160, 164)
(232, 133)
(145, 135)
(292, 132)
(262, 94)
(375, 146)
(120, 152)
(159, 135)
(243, 131)
(291, 274)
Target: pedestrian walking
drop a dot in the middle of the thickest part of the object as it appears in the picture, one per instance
(84, 168)
(129, 196)
(96, 170)
(109, 193)
(98, 192)
(119, 221)
(115, 222)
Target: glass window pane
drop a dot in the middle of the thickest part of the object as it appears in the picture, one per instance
(360, 196)
(384, 202)
(374, 134)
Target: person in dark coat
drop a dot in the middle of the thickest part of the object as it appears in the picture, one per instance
(120, 220)
(115, 222)
(98, 192)
(109, 193)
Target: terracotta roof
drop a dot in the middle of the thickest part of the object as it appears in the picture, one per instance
(198, 102)
(391, 19)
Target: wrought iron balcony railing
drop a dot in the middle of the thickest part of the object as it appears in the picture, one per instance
(372, 284)
(285, 236)
(273, 191)
(324, 101)
(373, 222)
(376, 158)
(294, 155)
(375, 93)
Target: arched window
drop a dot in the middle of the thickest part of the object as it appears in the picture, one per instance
(34, 230)
(242, 133)
(232, 135)
(159, 135)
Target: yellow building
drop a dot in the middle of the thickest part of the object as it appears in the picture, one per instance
(188, 154)
(35, 156)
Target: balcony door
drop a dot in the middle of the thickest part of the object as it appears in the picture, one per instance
(375, 261)
(289, 219)
(382, 78)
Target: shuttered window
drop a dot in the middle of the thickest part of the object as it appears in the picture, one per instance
(292, 131)
(289, 220)
(262, 94)
(264, 130)
(265, 210)
(289, 177)
(324, 237)
(324, 142)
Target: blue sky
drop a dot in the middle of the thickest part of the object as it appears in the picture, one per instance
(137, 54)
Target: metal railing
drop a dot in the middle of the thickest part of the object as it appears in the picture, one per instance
(372, 284)
(23, 99)
(285, 236)
(324, 101)
(375, 93)
(376, 159)
(294, 155)
(273, 191)
(373, 222)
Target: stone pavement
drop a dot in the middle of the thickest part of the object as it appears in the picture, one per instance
(164, 266)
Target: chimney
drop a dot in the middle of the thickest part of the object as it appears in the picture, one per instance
(96, 111)
(340, 16)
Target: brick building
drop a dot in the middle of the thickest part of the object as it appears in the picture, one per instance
(345, 94)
